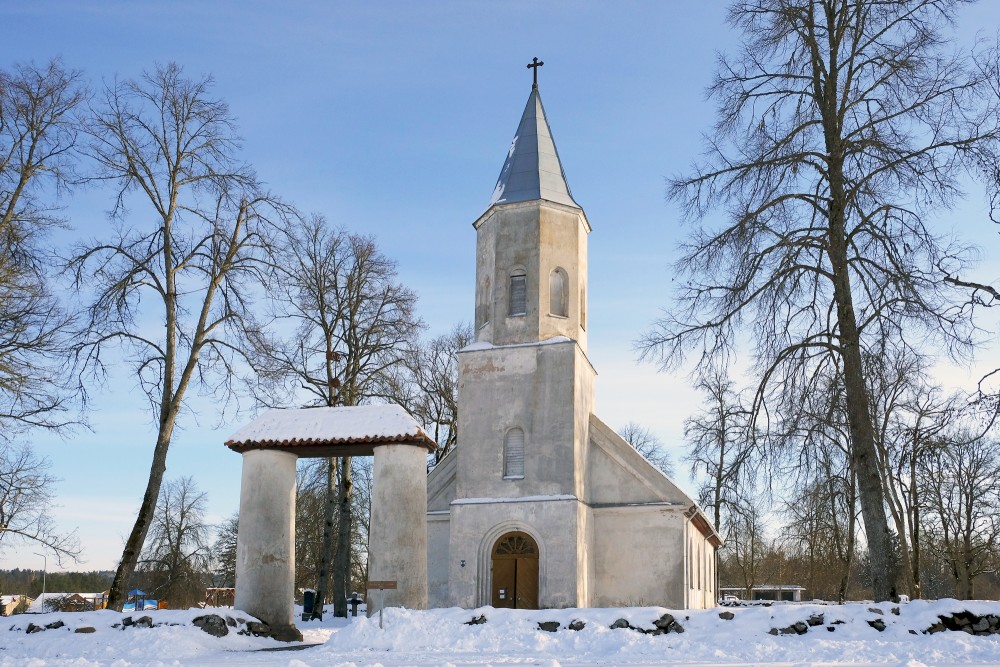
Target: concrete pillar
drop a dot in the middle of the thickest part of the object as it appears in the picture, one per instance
(397, 538)
(265, 545)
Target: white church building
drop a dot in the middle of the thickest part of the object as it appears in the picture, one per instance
(541, 504)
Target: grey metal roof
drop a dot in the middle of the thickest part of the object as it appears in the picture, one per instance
(532, 169)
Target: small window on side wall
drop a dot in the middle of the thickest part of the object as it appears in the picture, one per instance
(513, 454)
(558, 301)
(518, 297)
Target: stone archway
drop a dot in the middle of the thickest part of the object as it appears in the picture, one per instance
(515, 571)
(265, 547)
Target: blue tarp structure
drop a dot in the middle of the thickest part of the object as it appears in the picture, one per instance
(136, 601)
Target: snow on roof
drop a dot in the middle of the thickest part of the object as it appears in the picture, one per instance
(298, 427)
(37, 605)
(7, 599)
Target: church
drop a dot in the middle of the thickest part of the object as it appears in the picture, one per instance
(541, 504)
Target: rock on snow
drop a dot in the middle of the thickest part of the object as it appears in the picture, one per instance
(783, 633)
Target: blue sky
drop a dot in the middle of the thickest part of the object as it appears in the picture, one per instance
(394, 118)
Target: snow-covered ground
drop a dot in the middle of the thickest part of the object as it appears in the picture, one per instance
(843, 636)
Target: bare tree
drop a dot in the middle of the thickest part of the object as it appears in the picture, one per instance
(428, 388)
(172, 288)
(38, 135)
(842, 126)
(825, 480)
(721, 444)
(747, 548)
(909, 414)
(644, 441)
(177, 559)
(352, 327)
(822, 523)
(26, 492)
(961, 486)
(310, 508)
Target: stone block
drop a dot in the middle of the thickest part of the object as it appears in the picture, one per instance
(212, 624)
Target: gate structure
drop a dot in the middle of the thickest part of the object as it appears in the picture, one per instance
(265, 547)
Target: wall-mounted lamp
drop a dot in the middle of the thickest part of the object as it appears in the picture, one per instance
(462, 563)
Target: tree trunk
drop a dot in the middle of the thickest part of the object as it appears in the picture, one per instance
(917, 591)
(326, 555)
(117, 594)
(342, 560)
(845, 578)
(864, 455)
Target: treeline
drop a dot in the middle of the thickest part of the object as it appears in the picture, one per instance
(29, 582)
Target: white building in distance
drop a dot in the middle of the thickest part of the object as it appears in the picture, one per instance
(541, 504)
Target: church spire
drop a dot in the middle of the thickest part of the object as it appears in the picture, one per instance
(532, 169)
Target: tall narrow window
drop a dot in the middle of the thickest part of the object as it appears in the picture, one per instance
(513, 454)
(557, 293)
(518, 294)
(583, 308)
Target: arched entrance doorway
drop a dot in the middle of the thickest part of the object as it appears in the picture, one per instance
(515, 571)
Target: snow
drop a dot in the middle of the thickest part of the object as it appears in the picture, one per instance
(519, 499)
(512, 637)
(479, 345)
(502, 182)
(345, 424)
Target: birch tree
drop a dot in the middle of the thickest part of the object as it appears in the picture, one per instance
(172, 286)
(843, 127)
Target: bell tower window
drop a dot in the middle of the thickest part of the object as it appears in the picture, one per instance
(518, 297)
(558, 301)
(513, 454)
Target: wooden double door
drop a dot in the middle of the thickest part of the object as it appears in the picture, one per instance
(515, 572)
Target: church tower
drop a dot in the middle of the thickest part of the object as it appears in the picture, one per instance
(541, 504)
(526, 386)
(531, 245)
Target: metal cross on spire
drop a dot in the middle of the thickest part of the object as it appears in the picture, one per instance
(534, 65)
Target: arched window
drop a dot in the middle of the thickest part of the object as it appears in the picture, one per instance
(558, 301)
(513, 454)
(518, 297)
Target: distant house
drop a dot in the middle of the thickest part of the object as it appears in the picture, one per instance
(14, 604)
(68, 602)
(776, 592)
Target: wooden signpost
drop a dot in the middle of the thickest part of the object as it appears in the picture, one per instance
(382, 586)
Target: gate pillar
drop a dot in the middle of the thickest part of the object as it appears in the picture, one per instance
(397, 541)
(265, 545)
